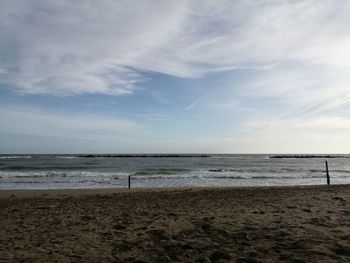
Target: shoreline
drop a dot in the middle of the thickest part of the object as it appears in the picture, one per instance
(28, 193)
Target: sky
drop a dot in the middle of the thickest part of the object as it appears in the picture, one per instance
(107, 76)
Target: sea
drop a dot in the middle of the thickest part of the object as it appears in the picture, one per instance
(74, 171)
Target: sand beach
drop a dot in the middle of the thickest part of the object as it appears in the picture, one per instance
(256, 224)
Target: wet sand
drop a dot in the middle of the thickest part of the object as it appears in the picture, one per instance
(286, 224)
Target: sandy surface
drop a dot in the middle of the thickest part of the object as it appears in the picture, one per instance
(301, 224)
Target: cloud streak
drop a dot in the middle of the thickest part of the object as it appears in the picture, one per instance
(193, 104)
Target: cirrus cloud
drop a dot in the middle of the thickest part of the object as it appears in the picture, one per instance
(73, 47)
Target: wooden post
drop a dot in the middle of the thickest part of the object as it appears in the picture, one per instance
(328, 180)
(129, 181)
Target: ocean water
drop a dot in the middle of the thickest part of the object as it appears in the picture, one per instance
(109, 171)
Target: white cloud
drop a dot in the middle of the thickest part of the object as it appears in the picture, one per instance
(71, 47)
(65, 47)
(275, 135)
(309, 135)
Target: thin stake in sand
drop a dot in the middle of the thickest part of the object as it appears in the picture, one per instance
(328, 179)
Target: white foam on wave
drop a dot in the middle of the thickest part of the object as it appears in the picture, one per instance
(16, 157)
(66, 157)
(11, 176)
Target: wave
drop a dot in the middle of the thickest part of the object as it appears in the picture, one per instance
(81, 181)
(16, 157)
(255, 170)
(41, 168)
(228, 177)
(316, 171)
(45, 175)
(253, 177)
(167, 177)
(39, 156)
(239, 170)
(163, 171)
(339, 171)
(66, 157)
(59, 174)
(273, 177)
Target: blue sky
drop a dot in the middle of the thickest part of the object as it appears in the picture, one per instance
(182, 76)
